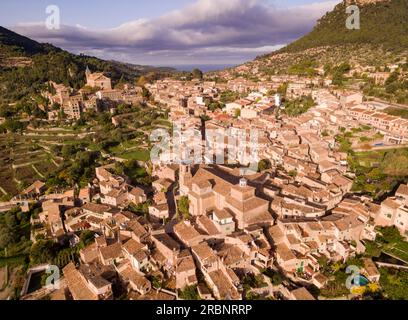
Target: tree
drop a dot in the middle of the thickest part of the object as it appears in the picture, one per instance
(6, 237)
(389, 235)
(264, 164)
(141, 81)
(205, 118)
(87, 237)
(11, 125)
(184, 207)
(68, 151)
(141, 209)
(283, 88)
(277, 279)
(197, 74)
(43, 251)
(146, 93)
(189, 293)
(292, 173)
(13, 230)
(215, 105)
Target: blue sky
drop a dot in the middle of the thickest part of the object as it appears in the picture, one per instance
(169, 32)
(99, 13)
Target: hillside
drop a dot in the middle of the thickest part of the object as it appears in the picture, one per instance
(383, 24)
(25, 65)
(381, 40)
(13, 44)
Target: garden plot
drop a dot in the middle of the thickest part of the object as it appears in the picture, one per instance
(26, 175)
(45, 168)
(22, 161)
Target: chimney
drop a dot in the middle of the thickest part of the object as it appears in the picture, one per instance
(243, 182)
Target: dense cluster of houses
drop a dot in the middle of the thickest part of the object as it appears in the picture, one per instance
(97, 93)
(291, 216)
(394, 128)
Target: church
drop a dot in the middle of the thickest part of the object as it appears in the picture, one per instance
(97, 80)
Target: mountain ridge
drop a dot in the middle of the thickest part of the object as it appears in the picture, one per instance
(383, 23)
(381, 40)
(25, 65)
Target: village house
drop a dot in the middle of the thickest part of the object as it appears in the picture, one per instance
(350, 99)
(86, 288)
(168, 247)
(215, 273)
(394, 211)
(301, 294)
(187, 234)
(185, 270)
(97, 80)
(211, 188)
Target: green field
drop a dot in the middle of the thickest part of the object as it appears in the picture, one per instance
(389, 241)
(379, 171)
(403, 113)
(61, 158)
(399, 250)
(140, 155)
(23, 161)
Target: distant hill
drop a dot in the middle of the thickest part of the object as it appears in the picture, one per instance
(25, 65)
(383, 23)
(15, 44)
(381, 40)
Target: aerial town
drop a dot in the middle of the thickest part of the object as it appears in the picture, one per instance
(208, 231)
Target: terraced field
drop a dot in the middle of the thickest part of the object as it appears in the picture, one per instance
(31, 156)
(25, 159)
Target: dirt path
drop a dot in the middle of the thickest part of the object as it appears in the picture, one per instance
(3, 191)
(4, 289)
(2, 277)
(38, 172)
(27, 164)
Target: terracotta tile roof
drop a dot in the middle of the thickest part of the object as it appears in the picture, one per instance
(204, 252)
(403, 190)
(96, 208)
(391, 203)
(302, 294)
(247, 205)
(157, 256)
(77, 284)
(276, 234)
(231, 254)
(90, 253)
(222, 214)
(136, 228)
(208, 226)
(284, 252)
(137, 192)
(135, 278)
(36, 186)
(186, 232)
(225, 288)
(113, 251)
(132, 246)
(185, 262)
(167, 241)
(371, 268)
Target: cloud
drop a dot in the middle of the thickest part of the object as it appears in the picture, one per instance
(207, 31)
